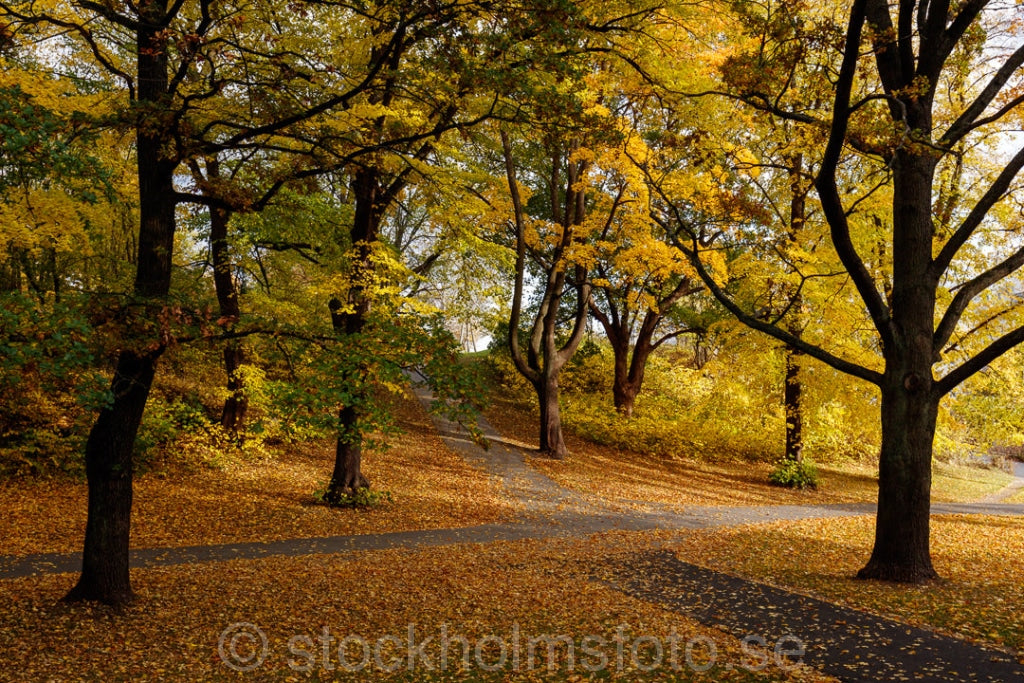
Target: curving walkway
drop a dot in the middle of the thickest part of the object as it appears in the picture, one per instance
(549, 510)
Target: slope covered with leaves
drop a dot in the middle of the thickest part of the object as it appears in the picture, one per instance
(269, 498)
(616, 474)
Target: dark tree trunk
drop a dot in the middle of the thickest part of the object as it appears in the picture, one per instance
(543, 360)
(630, 368)
(623, 391)
(109, 469)
(631, 363)
(348, 475)
(901, 549)
(236, 404)
(10, 274)
(792, 395)
(793, 390)
(909, 400)
(109, 448)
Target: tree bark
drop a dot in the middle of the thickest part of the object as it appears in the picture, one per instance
(909, 400)
(552, 444)
(793, 391)
(792, 395)
(109, 448)
(543, 360)
(109, 470)
(236, 404)
(630, 369)
(347, 476)
(901, 546)
(623, 392)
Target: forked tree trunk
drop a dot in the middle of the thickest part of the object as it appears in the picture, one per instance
(901, 548)
(629, 377)
(109, 448)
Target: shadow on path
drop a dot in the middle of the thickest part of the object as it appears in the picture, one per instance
(845, 643)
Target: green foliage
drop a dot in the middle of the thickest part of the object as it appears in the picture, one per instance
(307, 382)
(49, 381)
(363, 497)
(794, 474)
(177, 432)
(37, 146)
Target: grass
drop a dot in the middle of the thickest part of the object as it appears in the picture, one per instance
(978, 597)
(263, 500)
(634, 478)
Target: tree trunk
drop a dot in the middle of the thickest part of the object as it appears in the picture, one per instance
(236, 404)
(623, 391)
(792, 395)
(348, 475)
(109, 469)
(109, 448)
(348, 461)
(909, 401)
(551, 442)
(624, 397)
(10, 274)
(901, 550)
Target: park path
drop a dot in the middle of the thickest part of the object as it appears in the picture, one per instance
(549, 511)
(1010, 489)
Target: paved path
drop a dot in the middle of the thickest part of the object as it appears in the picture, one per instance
(1010, 489)
(550, 510)
(848, 644)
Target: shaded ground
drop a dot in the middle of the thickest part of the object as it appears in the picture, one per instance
(849, 644)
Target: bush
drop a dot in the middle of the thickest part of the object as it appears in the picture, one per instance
(363, 497)
(795, 474)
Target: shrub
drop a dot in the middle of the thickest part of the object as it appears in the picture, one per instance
(363, 497)
(795, 474)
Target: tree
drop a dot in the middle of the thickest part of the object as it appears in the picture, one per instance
(897, 115)
(552, 241)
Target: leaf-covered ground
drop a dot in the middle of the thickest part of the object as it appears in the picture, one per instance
(529, 588)
(268, 499)
(616, 475)
(979, 596)
(484, 593)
